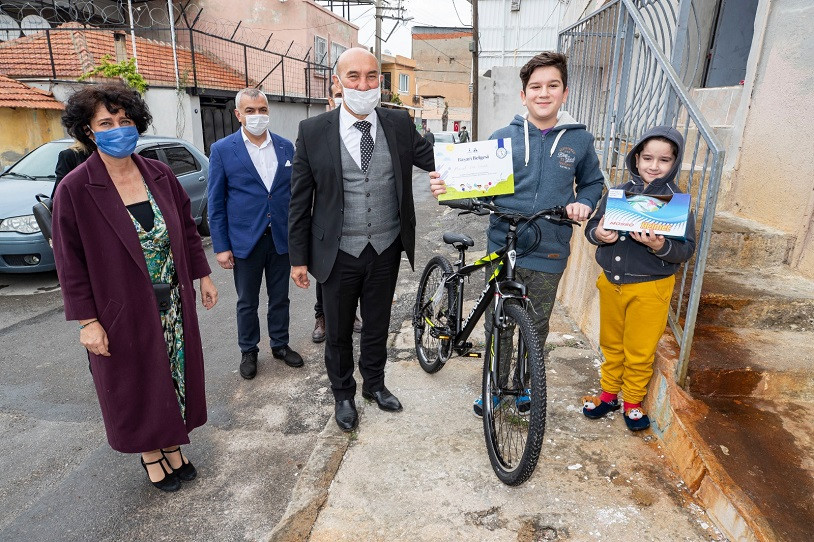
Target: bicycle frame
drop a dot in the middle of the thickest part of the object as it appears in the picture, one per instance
(502, 285)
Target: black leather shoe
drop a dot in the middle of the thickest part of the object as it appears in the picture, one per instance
(170, 482)
(346, 415)
(385, 399)
(291, 358)
(248, 365)
(186, 472)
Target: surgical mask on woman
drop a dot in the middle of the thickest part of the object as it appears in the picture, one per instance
(362, 102)
(257, 124)
(337, 102)
(118, 142)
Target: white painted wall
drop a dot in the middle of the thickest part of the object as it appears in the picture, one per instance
(498, 99)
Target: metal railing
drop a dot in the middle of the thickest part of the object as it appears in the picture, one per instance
(622, 83)
(205, 62)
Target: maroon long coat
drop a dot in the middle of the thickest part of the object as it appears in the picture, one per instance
(103, 275)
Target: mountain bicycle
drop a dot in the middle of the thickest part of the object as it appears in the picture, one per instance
(513, 367)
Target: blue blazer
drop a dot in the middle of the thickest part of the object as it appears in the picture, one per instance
(240, 207)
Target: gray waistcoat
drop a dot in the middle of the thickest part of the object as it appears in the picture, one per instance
(371, 212)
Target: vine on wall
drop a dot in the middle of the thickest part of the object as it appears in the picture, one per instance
(126, 70)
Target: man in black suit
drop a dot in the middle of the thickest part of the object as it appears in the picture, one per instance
(351, 215)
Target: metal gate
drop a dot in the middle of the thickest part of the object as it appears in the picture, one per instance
(218, 119)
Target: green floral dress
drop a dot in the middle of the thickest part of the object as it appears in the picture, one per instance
(156, 246)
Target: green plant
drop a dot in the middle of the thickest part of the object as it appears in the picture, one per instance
(395, 99)
(126, 70)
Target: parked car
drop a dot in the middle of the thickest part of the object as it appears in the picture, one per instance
(23, 249)
(446, 137)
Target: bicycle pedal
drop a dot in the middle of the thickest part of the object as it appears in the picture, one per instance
(474, 355)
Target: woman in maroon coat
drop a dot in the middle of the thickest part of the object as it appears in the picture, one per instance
(124, 243)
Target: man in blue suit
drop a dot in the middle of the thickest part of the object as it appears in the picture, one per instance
(249, 192)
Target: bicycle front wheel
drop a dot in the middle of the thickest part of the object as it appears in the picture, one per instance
(432, 318)
(514, 396)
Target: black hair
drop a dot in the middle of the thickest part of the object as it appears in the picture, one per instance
(82, 104)
(545, 59)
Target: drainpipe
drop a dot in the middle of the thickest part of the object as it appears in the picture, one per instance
(174, 45)
(132, 31)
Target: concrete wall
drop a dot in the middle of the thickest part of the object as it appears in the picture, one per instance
(498, 99)
(772, 175)
(286, 117)
(26, 129)
(175, 115)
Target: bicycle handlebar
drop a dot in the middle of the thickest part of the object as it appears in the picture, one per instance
(555, 215)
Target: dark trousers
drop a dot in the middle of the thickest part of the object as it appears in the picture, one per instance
(370, 278)
(248, 274)
(318, 305)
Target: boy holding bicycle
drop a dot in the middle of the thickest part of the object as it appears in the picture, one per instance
(555, 164)
(636, 283)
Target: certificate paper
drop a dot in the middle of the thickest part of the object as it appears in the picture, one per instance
(471, 170)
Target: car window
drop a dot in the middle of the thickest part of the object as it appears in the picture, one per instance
(150, 153)
(181, 160)
(40, 162)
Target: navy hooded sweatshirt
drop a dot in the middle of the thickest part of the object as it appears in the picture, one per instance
(627, 261)
(545, 169)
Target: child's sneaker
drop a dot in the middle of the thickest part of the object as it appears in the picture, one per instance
(595, 408)
(523, 403)
(477, 406)
(636, 419)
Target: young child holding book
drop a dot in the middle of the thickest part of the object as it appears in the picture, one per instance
(636, 283)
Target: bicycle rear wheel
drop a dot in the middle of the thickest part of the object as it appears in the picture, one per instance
(432, 318)
(514, 434)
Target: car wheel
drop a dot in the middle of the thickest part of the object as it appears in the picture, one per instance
(203, 227)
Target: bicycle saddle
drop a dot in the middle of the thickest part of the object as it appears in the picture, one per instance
(452, 238)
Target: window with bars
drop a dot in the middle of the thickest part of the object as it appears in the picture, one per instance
(336, 50)
(321, 54)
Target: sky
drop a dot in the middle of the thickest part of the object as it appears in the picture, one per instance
(423, 12)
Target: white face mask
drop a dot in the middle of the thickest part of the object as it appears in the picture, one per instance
(257, 124)
(337, 102)
(362, 102)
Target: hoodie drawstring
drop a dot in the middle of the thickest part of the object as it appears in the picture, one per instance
(526, 138)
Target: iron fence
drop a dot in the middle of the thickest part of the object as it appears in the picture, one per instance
(622, 83)
(205, 62)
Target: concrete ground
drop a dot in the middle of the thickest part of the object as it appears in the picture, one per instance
(61, 480)
(424, 474)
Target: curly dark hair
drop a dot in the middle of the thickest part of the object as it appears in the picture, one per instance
(544, 59)
(82, 104)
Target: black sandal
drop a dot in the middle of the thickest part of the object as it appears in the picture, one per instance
(186, 471)
(170, 482)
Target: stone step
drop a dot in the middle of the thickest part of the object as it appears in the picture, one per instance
(763, 299)
(750, 362)
(739, 243)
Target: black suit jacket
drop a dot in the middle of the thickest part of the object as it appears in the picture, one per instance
(67, 161)
(317, 190)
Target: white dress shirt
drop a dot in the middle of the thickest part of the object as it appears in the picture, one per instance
(350, 134)
(263, 157)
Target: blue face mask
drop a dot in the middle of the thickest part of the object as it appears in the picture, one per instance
(119, 142)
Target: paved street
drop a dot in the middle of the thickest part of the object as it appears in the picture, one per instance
(421, 474)
(60, 479)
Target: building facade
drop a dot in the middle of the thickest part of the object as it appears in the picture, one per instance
(443, 75)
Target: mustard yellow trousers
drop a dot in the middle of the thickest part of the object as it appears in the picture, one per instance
(632, 318)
